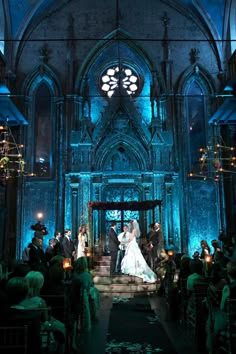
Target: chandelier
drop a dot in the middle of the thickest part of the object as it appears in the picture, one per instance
(12, 163)
(216, 160)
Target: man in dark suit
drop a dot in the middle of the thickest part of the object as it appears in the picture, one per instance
(58, 246)
(113, 246)
(68, 246)
(37, 259)
(154, 240)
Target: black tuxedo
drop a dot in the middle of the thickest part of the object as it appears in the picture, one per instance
(58, 247)
(154, 239)
(113, 247)
(68, 247)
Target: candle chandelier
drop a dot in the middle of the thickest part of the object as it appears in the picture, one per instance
(216, 160)
(12, 163)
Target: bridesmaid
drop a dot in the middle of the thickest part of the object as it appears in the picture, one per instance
(81, 243)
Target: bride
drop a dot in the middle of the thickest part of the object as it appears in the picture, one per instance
(133, 262)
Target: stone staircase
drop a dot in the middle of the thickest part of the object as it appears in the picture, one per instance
(119, 285)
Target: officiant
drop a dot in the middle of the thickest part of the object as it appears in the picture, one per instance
(123, 237)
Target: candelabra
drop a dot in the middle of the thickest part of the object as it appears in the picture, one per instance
(215, 160)
(12, 163)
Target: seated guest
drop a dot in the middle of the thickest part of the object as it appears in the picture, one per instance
(54, 289)
(17, 290)
(54, 284)
(219, 320)
(184, 270)
(196, 276)
(213, 299)
(34, 301)
(84, 296)
(20, 270)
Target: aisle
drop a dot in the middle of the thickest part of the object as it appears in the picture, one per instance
(135, 328)
(134, 322)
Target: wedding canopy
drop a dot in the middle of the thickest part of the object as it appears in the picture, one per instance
(131, 205)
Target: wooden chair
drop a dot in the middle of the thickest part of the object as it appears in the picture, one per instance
(48, 343)
(183, 301)
(227, 337)
(57, 305)
(14, 339)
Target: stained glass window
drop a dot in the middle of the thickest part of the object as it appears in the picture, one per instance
(117, 76)
(121, 217)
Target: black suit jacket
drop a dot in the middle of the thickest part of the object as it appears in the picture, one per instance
(68, 247)
(113, 240)
(154, 238)
(37, 259)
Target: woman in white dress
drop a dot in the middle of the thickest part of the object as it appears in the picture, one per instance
(133, 262)
(81, 242)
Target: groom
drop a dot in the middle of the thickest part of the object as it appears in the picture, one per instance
(113, 246)
(123, 237)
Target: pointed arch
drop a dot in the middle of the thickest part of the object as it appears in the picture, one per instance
(195, 88)
(42, 73)
(133, 155)
(114, 37)
(232, 26)
(117, 48)
(41, 87)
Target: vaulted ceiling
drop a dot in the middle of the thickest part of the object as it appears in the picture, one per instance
(20, 13)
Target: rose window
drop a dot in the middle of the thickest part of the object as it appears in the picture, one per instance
(114, 77)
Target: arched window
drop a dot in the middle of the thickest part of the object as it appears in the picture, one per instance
(195, 122)
(43, 131)
(122, 77)
(2, 28)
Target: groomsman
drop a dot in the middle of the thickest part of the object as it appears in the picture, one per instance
(67, 244)
(113, 246)
(154, 240)
(58, 241)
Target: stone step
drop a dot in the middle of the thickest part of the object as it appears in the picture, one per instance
(102, 258)
(102, 280)
(117, 279)
(127, 288)
(102, 269)
(101, 263)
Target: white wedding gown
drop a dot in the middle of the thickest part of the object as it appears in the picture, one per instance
(134, 263)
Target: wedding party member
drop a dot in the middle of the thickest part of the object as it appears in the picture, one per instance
(133, 262)
(113, 246)
(58, 246)
(68, 247)
(50, 250)
(154, 243)
(123, 237)
(80, 244)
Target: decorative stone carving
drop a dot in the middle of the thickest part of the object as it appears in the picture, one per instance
(194, 55)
